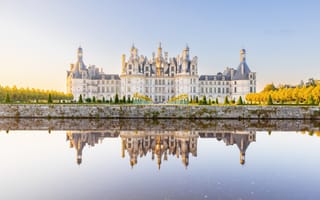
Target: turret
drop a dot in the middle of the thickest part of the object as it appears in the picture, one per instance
(159, 55)
(242, 158)
(80, 54)
(185, 53)
(242, 55)
(123, 63)
(134, 51)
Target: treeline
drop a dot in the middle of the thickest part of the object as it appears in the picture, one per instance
(286, 95)
(32, 95)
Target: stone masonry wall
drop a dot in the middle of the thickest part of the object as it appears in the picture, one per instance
(157, 111)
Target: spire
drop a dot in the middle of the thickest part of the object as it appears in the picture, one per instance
(242, 55)
(134, 51)
(159, 50)
(187, 47)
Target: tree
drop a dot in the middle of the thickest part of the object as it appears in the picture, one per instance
(197, 99)
(93, 99)
(80, 99)
(124, 99)
(269, 87)
(8, 98)
(217, 101)
(204, 100)
(209, 102)
(49, 98)
(270, 102)
(103, 100)
(240, 102)
(226, 100)
(116, 99)
(129, 100)
(311, 100)
(88, 100)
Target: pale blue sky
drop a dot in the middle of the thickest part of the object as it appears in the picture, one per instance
(38, 39)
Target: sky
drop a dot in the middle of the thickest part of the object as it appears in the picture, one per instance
(39, 39)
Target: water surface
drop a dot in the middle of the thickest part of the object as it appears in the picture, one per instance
(179, 159)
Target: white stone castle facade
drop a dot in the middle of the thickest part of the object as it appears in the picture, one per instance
(160, 78)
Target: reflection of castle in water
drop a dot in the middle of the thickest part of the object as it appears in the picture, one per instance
(160, 144)
(78, 140)
(241, 138)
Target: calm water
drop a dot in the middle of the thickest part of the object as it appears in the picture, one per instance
(167, 159)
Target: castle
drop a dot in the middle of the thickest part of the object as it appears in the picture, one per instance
(160, 78)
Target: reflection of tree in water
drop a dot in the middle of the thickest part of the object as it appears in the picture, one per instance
(160, 144)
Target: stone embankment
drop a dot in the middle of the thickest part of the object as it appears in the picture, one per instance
(158, 125)
(100, 111)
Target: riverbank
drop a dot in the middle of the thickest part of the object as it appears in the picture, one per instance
(97, 111)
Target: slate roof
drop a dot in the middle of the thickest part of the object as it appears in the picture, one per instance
(242, 76)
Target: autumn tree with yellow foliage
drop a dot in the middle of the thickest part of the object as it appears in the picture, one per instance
(286, 95)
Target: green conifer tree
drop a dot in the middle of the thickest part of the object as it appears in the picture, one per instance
(226, 100)
(49, 98)
(116, 99)
(80, 99)
(204, 100)
(217, 101)
(93, 99)
(7, 98)
(240, 102)
(270, 101)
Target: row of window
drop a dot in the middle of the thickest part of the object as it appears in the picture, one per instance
(215, 90)
(102, 82)
(214, 83)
